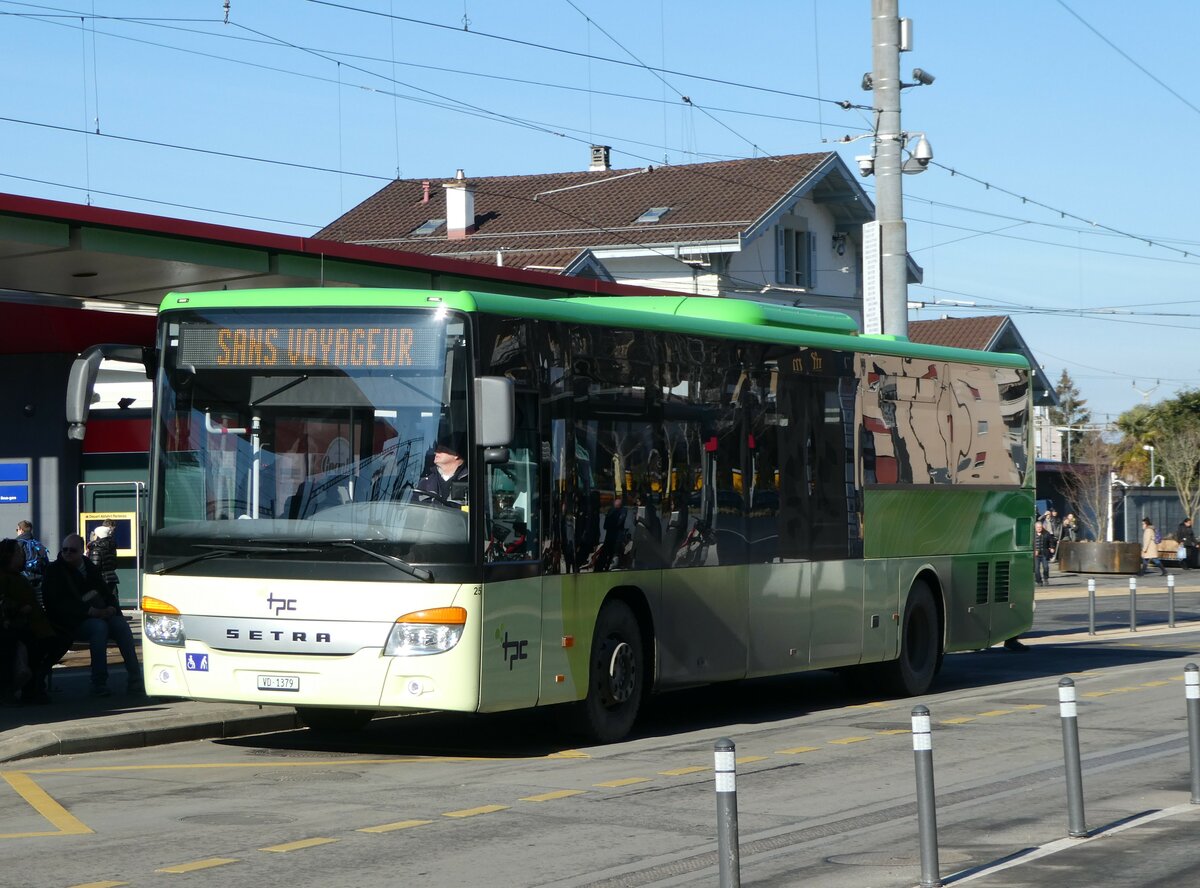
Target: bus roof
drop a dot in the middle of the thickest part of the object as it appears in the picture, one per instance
(669, 313)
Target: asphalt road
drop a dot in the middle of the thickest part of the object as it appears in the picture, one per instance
(825, 790)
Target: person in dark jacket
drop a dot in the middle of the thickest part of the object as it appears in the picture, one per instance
(23, 622)
(1186, 535)
(102, 552)
(1044, 545)
(81, 606)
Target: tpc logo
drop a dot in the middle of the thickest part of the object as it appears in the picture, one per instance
(281, 604)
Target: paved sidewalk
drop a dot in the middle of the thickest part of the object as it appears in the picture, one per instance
(75, 722)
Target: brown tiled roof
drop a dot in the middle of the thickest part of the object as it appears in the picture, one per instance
(549, 218)
(975, 333)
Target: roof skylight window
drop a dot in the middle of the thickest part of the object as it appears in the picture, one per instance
(429, 226)
(653, 214)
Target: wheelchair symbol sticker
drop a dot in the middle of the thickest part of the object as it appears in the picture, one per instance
(197, 662)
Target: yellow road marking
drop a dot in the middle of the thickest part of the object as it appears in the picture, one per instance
(895, 731)
(1030, 706)
(1123, 690)
(796, 750)
(961, 720)
(679, 772)
(1096, 694)
(390, 827)
(298, 845)
(1176, 678)
(473, 812)
(205, 766)
(60, 818)
(992, 713)
(100, 885)
(844, 740)
(627, 781)
(876, 705)
(1155, 684)
(552, 796)
(569, 754)
(747, 759)
(209, 863)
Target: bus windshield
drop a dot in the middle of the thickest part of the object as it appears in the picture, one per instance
(313, 426)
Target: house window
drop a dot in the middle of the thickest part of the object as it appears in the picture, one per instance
(429, 226)
(653, 214)
(794, 257)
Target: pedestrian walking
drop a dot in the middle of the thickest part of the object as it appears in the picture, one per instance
(1044, 546)
(1150, 541)
(1187, 543)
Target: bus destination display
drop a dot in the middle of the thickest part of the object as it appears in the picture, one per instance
(206, 346)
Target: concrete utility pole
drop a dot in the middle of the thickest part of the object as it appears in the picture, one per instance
(889, 197)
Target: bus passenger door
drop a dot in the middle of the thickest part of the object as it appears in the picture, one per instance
(512, 591)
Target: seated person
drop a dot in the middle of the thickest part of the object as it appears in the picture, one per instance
(24, 623)
(81, 606)
(448, 476)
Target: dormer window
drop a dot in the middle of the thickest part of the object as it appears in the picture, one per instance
(429, 226)
(652, 215)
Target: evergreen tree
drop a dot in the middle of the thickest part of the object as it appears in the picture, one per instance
(1071, 412)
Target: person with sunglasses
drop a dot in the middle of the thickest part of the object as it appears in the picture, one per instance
(80, 604)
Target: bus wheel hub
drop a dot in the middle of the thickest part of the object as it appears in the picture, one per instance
(621, 673)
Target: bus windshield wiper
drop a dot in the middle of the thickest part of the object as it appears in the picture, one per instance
(425, 576)
(218, 550)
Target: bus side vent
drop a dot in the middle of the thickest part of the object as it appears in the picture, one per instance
(1002, 573)
(981, 582)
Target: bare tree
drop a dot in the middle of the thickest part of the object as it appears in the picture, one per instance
(1089, 483)
(1178, 452)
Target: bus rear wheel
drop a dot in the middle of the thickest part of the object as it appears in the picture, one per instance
(616, 676)
(334, 720)
(920, 645)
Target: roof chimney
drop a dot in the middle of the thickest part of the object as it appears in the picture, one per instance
(460, 207)
(425, 191)
(599, 159)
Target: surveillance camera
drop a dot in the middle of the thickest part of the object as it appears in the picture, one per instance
(868, 82)
(866, 164)
(923, 152)
(922, 76)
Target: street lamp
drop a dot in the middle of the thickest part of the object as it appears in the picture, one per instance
(1150, 448)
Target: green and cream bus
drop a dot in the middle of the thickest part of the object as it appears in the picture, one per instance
(655, 492)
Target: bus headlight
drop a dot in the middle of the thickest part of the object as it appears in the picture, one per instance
(162, 623)
(432, 631)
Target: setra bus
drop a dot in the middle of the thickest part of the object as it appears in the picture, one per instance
(382, 500)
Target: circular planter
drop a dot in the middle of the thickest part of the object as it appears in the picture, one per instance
(1098, 558)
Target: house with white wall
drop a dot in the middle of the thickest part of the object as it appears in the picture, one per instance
(783, 229)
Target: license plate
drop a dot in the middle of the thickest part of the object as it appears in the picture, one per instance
(279, 682)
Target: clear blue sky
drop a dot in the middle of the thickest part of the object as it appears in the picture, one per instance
(1086, 107)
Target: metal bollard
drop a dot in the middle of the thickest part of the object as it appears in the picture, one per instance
(1091, 606)
(1133, 604)
(1191, 686)
(1171, 600)
(926, 805)
(1076, 827)
(727, 821)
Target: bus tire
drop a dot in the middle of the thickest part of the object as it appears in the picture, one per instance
(334, 720)
(920, 645)
(616, 676)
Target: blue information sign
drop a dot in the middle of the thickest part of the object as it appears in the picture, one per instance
(14, 471)
(197, 662)
(17, 493)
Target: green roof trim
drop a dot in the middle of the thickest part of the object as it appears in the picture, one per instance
(697, 315)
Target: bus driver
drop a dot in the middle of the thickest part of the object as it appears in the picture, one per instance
(448, 476)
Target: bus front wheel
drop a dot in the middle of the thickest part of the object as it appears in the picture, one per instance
(333, 720)
(616, 676)
(920, 645)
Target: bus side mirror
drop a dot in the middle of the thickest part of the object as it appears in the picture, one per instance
(81, 382)
(495, 406)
